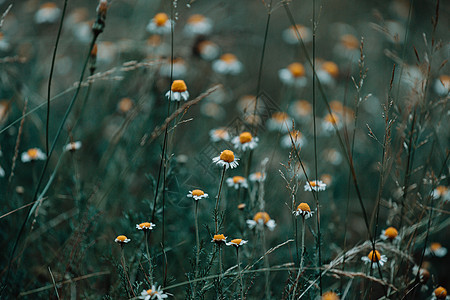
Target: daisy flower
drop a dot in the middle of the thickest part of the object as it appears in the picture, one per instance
(390, 233)
(297, 137)
(303, 210)
(290, 36)
(153, 293)
(424, 274)
(219, 239)
(47, 13)
(72, 146)
(329, 296)
(237, 182)
(207, 50)
(436, 249)
(440, 293)
(145, 226)
(348, 47)
(219, 134)
(106, 52)
(442, 85)
(301, 110)
(160, 24)
(178, 91)
(125, 105)
(329, 121)
(245, 141)
(373, 258)
(333, 156)
(294, 74)
(278, 122)
(177, 68)
(327, 73)
(257, 177)
(413, 76)
(227, 159)
(327, 179)
(122, 239)
(33, 154)
(227, 64)
(316, 185)
(236, 243)
(262, 218)
(197, 194)
(441, 192)
(198, 25)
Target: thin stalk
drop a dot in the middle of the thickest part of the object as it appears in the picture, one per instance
(197, 238)
(150, 266)
(216, 210)
(301, 258)
(240, 273)
(122, 260)
(266, 263)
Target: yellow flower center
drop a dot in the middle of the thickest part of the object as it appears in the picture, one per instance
(125, 104)
(241, 206)
(258, 175)
(304, 207)
(197, 18)
(49, 5)
(236, 241)
(313, 183)
(150, 292)
(160, 19)
(331, 68)
(435, 246)
(228, 58)
(330, 296)
(332, 118)
(440, 293)
(261, 216)
(145, 225)
(445, 79)
(391, 233)
(303, 107)
(374, 256)
(245, 137)
(219, 237)
(33, 153)
(221, 133)
(336, 106)
(197, 193)
(121, 238)
(301, 30)
(441, 190)
(296, 69)
(349, 41)
(280, 116)
(227, 156)
(238, 179)
(179, 86)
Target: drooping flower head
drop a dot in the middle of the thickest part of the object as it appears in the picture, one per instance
(290, 35)
(33, 154)
(178, 91)
(198, 25)
(373, 257)
(316, 185)
(122, 239)
(237, 243)
(47, 13)
(219, 134)
(227, 64)
(389, 233)
(245, 141)
(436, 249)
(294, 74)
(442, 85)
(237, 182)
(145, 226)
(197, 194)
(303, 210)
(257, 177)
(160, 24)
(227, 159)
(260, 219)
(219, 239)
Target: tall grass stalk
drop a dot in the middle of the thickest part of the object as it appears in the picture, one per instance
(216, 208)
(300, 269)
(197, 240)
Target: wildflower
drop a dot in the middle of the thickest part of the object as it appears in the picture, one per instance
(178, 91)
(176, 67)
(441, 192)
(237, 243)
(241, 206)
(303, 210)
(413, 77)
(106, 52)
(72, 146)
(327, 179)
(125, 105)
(237, 182)
(442, 85)
(197, 194)
(436, 249)
(348, 47)
(33, 154)
(327, 73)
(390, 233)
(227, 159)
(247, 104)
(395, 31)
(330, 296)
(294, 74)
(424, 274)
(160, 24)
(262, 218)
(153, 293)
(227, 64)
(329, 121)
(278, 121)
(301, 110)
(121, 239)
(290, 36)
(257, 177)
(47, 13)
(219, 239)
(440, 293)
(316, 185)
(145, 226)
(198, 25)
(219, 134)
(4, 44)
(245, 141)
(373, 258)
(207, 50)
(333, 156)
(297, 138)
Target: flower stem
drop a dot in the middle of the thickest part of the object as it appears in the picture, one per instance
(216, 211)
(301, 257)
(197, 257)
(150, 266)
(240, 273)
(125, 270)
(266, 263)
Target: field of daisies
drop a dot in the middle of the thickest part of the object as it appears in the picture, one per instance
(274, 149)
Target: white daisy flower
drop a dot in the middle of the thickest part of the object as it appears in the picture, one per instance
(72, 146)
(301, 110)
(47, 13)
(328, 73)
(198, 25)
(219, 134)
(390, 233)
(441, 192)
(227, 159)
(442, 85)
(316, 185)
(219, 239)
(436, 249)
(160, 24)
(373, 258)
(329, 121)
(280, 121)
(122, 239)
(178, 91)
(227, 64)
(290, 36)
(245, 141)
(153, 293)
(257, 177)
(207, 50)
(303, 210)
(237, 182)
(145, 226)
(293, 75)
(440, 293)
(424, 274)
(262, 218)
(297, 137)
(197, 194)
(348, 48)
(237, 243)
(33, 154)
(333, 156)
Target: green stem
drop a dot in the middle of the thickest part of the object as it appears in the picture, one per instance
(240, 273)
(197, 257)
(150, 266)
(216, 210)
(266, 264)
(301, 258)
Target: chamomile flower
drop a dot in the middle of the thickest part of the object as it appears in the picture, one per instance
(333, 156)
(329, 296)
(278, 122)
(348, 47)
(122, 239)
(153, 293)
(317, 185)
(297, 138)
(442, 85)
(125, 105)
(373, 258)
(72, 146)
(227, 159)
(33, 154)
(330, 121)
(198, 25)
(106, 52)
(303, 210)
(241, 206)
(424, 274)
(227, 64)
(327, 179)
(290, 35)
(219, 239)
(440, 293)
(237, 182)
(176, 69)
(236, 243)
(219, 134)
(260, 219)
(293, 75)
(207, 50)
(178, 91)
(301, 110)
(327, 73)
(436, 249)
(145, 226)
(257, 177)
(390, 233)
(197, 194)
(160, 24)
(441, 192)
(245, 141)
(47, 13)
(4, 44)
